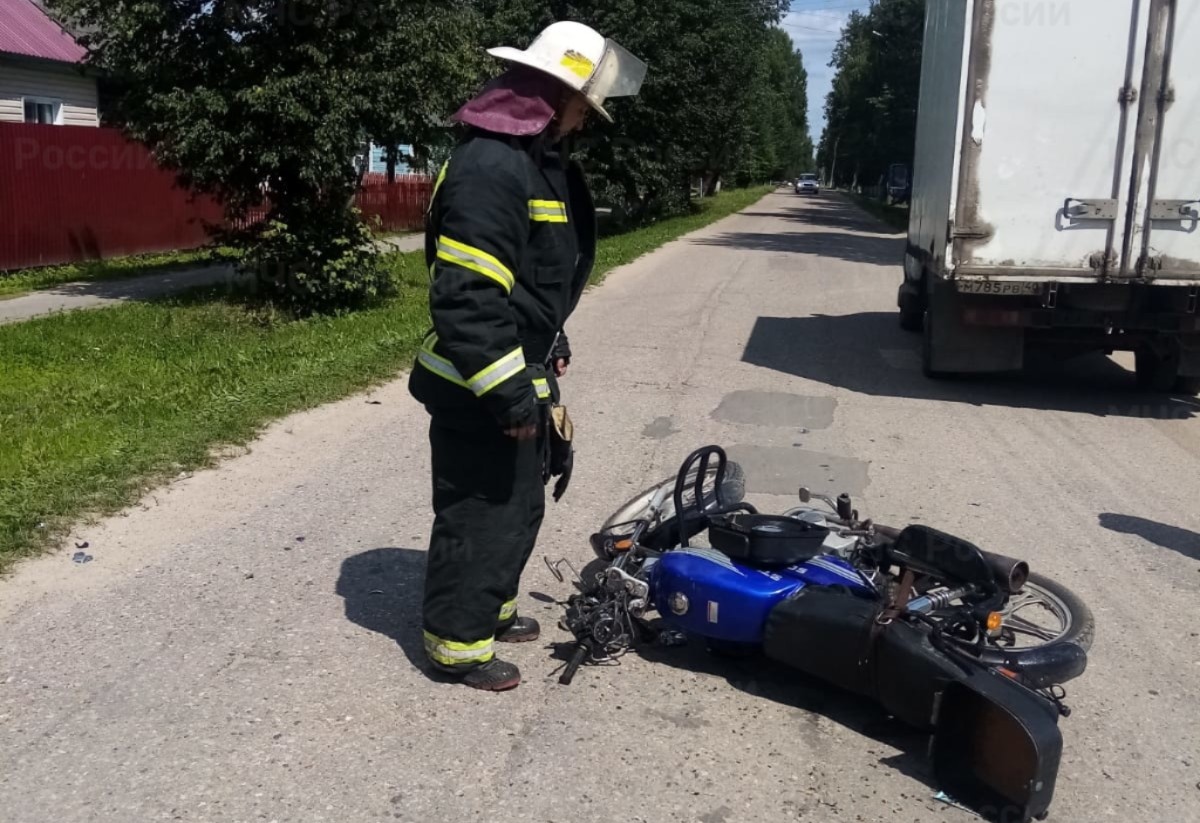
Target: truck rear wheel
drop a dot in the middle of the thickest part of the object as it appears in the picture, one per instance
(912, 320)
(1187, 385)
(1157, 370)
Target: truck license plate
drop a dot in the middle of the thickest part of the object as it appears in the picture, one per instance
(998, 287)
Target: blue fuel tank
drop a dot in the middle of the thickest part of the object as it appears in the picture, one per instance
(701, 591)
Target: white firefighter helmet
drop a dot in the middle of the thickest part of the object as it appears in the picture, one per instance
(583, 59)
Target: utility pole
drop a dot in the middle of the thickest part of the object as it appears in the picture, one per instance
(833, 165)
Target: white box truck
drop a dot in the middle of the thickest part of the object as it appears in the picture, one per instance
(1056, 186)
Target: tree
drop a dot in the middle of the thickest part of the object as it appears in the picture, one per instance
(260, 102)
(871, 112)
(779, 147)
(695, 116)
(411, 98)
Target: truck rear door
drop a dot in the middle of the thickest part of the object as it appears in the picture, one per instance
(1046, 145)
(1164, 244)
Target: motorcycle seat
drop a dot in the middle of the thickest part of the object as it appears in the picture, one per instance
(765, 540)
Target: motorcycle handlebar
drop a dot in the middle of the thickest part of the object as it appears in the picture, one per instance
(576, 661)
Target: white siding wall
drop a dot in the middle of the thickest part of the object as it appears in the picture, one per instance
(77, 93)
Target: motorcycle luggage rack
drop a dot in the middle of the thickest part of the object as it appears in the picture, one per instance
(701, 459)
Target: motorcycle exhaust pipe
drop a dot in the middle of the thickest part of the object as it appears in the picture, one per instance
(1008, 573)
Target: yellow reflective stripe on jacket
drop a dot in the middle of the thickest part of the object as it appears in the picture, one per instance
(542, 387)
(452, 653)
(438, 365)
(441, 178)
(477, 260)
(487, 379)
(510, 365)
(548, 211)
(508, 611)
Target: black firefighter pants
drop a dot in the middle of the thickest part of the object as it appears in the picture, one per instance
(488, 503)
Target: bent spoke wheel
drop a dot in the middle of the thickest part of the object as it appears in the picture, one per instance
(1035, 616)
(1041, 614)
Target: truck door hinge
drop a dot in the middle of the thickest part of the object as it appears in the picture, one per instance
(1174, 210)
(1090, 209)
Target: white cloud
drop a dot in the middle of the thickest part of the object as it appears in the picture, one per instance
(815, 32)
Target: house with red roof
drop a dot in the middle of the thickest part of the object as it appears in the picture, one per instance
(41, 76)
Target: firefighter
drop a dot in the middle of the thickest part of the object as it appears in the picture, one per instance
(510, 241)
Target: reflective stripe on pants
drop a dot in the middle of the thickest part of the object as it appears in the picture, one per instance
(508, 611)
(452, 653)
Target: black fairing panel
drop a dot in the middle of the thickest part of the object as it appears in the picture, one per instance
(825, 633)
(910, 674)
(996, 747)
(996, 744)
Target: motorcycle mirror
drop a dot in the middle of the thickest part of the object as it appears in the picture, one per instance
(805, 495)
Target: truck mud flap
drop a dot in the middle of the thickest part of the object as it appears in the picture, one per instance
(952, 347)
(996, 747)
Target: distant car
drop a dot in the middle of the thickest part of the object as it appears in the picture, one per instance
(808, 184)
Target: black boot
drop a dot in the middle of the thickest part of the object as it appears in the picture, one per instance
(493, 676)
(522, 630)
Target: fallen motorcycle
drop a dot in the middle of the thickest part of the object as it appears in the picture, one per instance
(969, 646)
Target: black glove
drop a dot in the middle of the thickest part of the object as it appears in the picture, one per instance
(564, 479)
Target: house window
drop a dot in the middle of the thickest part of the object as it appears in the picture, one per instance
(43, 110)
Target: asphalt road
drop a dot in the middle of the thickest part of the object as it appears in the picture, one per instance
(246, 644)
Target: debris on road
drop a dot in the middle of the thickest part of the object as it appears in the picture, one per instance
(81, 557)
(942, 797)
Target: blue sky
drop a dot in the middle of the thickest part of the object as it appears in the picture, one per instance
(814, 26)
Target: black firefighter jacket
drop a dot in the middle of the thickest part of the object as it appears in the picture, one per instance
(510, 241)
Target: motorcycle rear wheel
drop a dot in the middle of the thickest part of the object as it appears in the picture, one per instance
(1036, 623)
(1078, 624)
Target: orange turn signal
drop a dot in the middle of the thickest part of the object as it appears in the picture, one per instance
(623, 545)
(994, 621)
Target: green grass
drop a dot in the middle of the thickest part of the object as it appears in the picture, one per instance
(25, 280)
(894, 216)
(97, 406)
(625, 248)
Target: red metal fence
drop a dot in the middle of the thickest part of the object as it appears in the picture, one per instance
(72, 193)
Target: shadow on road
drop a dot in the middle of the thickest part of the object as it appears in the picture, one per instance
(1184, 541)
(830, 211)
(869, 353)
(765, 679)
(856, 237)
(382, 590)
(878, 250)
